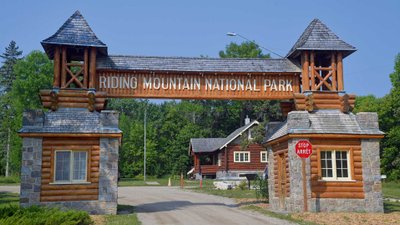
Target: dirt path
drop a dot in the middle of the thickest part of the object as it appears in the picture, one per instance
(171, 205)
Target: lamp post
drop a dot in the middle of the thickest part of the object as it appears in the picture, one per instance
(145, 140)
(233, 34)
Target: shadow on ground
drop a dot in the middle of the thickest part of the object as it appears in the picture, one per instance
(174, 205)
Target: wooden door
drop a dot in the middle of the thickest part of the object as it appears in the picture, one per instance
(281, 179)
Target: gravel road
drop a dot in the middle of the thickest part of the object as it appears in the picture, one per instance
(173, 206)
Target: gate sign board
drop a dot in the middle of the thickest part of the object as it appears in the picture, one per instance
(303, 149)
(197, 85)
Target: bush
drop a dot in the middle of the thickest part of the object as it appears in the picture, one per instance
(262, 189)
(243, 185)
(36, 215)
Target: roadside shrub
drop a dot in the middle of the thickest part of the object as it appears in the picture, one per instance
(262, 189)
(36, 215)
(242, 185)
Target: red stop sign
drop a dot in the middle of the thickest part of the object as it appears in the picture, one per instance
(303, 149)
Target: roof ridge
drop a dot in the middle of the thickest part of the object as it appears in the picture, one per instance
(191, 57)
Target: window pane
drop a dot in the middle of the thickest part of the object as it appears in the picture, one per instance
(63, 160)
(329, 163)
(323, 172)
(79, 166)
(236, 157)
(341, 164)
(329, 155)
(241, 157)
(330, 174)
(246, 157)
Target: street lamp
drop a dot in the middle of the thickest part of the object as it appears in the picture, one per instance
(233, 34)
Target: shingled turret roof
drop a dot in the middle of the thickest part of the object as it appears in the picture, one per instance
(74, 32)
(318, 36)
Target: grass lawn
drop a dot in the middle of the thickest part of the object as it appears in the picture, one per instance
(391, 189)
(126, 215)
(234, 193)
(7, 198)
(12, 180)
(124, 182)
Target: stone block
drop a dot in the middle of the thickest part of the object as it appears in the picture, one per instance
(367, 120)
(298, 120)
(36, 174)
(109, 118)
(26, 186)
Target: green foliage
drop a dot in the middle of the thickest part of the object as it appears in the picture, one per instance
(40, 215)
(32, 73)
(10, 57)
(262, 188)
(243, 185)
(245, 50)
(388, 109)
(9, 180)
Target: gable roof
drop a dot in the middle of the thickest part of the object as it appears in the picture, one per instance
(74, 32)
(213, 144)
(317, 36)
(156, 63)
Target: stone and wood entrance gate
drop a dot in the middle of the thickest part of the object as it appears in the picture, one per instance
(70, 153)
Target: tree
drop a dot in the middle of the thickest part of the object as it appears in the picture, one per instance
(10, 57)
(7, 76)
(32, 73)
(259, 110)
(245, 50)
(388, 109)
(390, 121)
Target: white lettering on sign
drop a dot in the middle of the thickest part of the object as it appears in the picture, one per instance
(151, 82)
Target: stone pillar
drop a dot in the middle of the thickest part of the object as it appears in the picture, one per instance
(108, 178)
(295, 203)
(273, 201)
(31, 170)
(371, 175)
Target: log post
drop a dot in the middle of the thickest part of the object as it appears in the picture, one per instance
(333, 67)
(64, 67)
(92, 68)
(56, 81)
(85, 68)
(312, 62)
(340, 71)
(305, 73)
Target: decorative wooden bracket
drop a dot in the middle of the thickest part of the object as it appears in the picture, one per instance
(91, 101)
(54, 100)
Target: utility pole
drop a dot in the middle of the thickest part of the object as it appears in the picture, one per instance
(144, 145)
(8, 152)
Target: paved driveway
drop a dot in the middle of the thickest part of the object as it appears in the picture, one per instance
(171, 205)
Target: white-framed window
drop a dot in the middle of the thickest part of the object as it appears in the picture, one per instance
(263, 156)
(335, 165)
(70, 166)
(241, 156)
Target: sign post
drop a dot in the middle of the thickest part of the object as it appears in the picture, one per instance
(304, 150)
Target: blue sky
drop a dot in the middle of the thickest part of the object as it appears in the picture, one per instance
(194, 28)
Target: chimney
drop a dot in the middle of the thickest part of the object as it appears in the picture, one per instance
(246, 120)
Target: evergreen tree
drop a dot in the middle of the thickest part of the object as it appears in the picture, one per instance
(10, 58)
